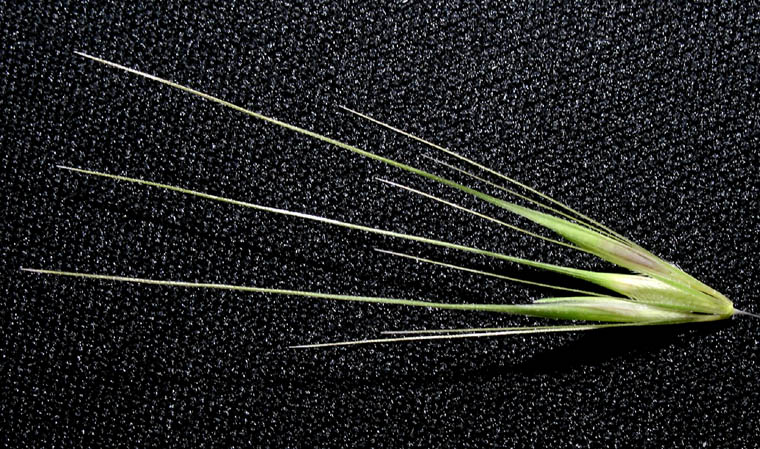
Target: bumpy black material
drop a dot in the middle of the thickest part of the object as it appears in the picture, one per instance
(645, 117)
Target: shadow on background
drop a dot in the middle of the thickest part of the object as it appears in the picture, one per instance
(600, 346)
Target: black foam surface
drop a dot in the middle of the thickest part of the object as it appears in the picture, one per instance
(643, 116)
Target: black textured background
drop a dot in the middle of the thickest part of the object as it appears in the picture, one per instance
(645, 116)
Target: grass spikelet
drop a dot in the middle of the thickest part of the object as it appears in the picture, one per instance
(655, 293)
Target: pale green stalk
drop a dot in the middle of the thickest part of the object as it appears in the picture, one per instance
(660, 294)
